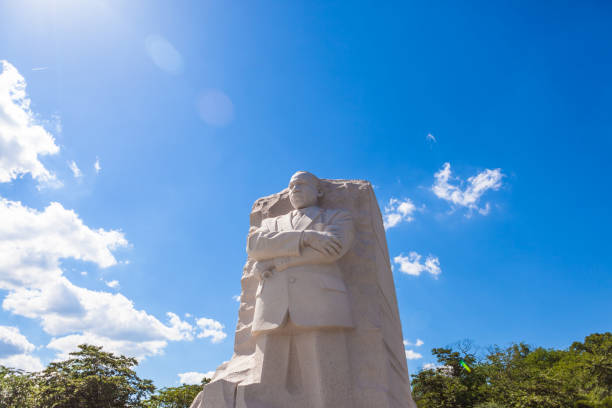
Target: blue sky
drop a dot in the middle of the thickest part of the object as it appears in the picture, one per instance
(484, 127)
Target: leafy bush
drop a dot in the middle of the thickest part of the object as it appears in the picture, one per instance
(520, 376)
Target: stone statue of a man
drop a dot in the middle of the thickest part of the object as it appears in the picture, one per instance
(302, 307)
(318, 322)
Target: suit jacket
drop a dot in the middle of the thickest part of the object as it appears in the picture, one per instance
(307, 284)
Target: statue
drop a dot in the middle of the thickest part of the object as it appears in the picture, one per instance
(318, 327)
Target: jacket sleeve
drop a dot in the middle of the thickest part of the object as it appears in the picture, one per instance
(341, 227)
(263, 243)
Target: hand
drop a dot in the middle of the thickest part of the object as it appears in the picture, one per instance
(322, 242)
(263, 269)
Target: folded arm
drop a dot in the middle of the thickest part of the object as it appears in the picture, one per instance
(340, 229)
(263, 244)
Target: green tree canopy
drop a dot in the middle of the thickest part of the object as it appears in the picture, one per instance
(520, 376)
(175, 397)
(92, 378)
(17, 388)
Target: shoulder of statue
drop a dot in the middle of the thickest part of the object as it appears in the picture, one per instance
(272, 219)
(268, 222)
(336, 214)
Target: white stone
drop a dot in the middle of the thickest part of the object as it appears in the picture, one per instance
(318, 323)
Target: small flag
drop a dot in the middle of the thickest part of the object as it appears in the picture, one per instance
(464, 365)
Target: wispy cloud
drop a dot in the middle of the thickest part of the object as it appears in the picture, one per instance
(431, 138)
(97, 166)
(412, 265)
(397, 211)
(469, 196)
(112, 284)
(40, 68)
(76, 172)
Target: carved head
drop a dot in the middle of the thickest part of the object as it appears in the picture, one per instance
(304, 190)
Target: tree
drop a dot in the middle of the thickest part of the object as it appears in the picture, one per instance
(594, 364)
(92, 378)
(17, 388)
(450, 385)
(175, 397)
(520, 376)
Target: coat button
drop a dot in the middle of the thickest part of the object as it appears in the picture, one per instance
(292, 280)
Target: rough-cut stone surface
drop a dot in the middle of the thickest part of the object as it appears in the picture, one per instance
(374, 347)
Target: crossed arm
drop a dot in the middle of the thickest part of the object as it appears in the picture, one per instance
(284, 249)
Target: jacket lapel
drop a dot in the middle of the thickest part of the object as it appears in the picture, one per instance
(284, 222)
(309, 216)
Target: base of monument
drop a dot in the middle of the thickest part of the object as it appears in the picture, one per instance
(225, 394)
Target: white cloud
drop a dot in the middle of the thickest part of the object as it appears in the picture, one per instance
(15, 350)
(397, 211)
(64, 308)
(97, 166)
(193, 377)
(413, 355)
(138, 349)
(22, 140)
(33, 242)
(431, 138)
(469, 196)
(25, 362)
(411, 264)
(112, 284)
(211, 328)
(418, 343)
(84, 273)
(13, 342)
(32, 245)
(236, 298)
(76, 172)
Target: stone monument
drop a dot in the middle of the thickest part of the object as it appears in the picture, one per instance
(318, 323)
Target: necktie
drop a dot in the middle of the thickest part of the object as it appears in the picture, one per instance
(297, 218)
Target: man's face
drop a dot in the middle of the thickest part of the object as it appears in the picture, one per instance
(303, 191)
